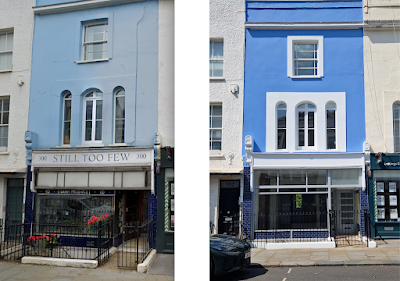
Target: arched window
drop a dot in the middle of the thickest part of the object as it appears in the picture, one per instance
(93, 112)
(396, 126)
(67, 118)
(281, 126)
(119, 116)
(331, 126)
(306, 125)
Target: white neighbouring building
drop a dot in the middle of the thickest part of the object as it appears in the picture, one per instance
(16, 27)
(382, 113)
(226, 111)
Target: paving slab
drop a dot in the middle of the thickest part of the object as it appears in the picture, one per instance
(163, 264)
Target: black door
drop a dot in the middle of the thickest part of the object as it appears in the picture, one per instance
(14, 207)
(228, 221)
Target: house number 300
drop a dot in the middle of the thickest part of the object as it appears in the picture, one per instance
(42, 158)
(141, 156)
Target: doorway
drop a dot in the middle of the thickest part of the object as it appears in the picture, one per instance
(136, 206)
(14, 204)
(228, 220)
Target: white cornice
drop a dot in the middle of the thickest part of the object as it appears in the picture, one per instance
(78, 5)
(317, 25)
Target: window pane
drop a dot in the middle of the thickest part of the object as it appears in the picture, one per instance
(266, 177)
(216, 122)
(99, 109)
(3, 42)
(331, 139)
(216, 110)
(330, 118)
(67, 110)
(216, 146)
(98, 130)
(67, 134)
(281, 139)
(89, 107)
(310, 137)
(305, 64)
(281, 118)
(218, 50)
(10, 38)
(310, 119)
(9, 61)
(5, 118)
(343, 177)
(317, 177)
(88, 131)
(119, 131)
(301, 119)
(120, 107)
(301, 137)
(216, 134)
(3, 58)
(292, 177)
(217, 69)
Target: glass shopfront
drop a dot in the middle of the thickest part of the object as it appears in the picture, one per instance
(72, 206)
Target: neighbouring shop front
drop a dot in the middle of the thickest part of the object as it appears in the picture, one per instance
(293, 195)
(383, 189)
(70, 187)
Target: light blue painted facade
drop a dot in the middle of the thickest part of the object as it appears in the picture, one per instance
(133, 65)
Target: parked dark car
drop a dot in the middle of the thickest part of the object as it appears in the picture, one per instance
(228, 253)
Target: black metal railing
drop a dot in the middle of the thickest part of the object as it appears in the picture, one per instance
(11, 241)
(345, 227)
(68, 241)
(271, 227)
(137, 243)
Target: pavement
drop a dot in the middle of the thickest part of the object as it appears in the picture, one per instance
(387, 252)
(161, 269)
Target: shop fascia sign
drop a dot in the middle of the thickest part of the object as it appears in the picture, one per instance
(137, 157)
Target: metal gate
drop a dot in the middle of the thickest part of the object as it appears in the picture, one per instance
(12, 242)
(137, 242)
(344, 227)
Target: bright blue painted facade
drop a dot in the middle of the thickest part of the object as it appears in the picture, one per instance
(268, 26)
(133, 65)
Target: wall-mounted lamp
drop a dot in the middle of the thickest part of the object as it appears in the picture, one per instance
(234, 88)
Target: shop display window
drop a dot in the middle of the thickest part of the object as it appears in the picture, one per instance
(386, 198)
(71, 209)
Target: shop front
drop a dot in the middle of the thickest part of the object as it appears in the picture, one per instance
(70, 187)
(383, 188)
(296, 195)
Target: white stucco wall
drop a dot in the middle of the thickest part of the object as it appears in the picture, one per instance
(17, 15)
(382, 71)
(166, 73)
(227, 22)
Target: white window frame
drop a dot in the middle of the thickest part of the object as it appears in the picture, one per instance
(95, 98)
(306, 110)
(215, 151)
(67, 96)
(397, 104)
(4, 148)
(115, 114)
(212, 41)
(291, 41)
(7, 52)
(104, 41)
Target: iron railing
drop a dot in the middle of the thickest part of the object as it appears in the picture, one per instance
(345, 227)
(68, 241)
(271, 227)
(137, 242)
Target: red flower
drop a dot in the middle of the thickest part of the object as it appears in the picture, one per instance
(29, 239)
(107, 215)
(47, 238)
(102, 216)
(33, 238)
(89, 222)
(54, 235)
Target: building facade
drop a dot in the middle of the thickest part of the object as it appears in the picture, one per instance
(304, 126)
(382, 113)
(226, 113)
(15, 65)
(94, 110)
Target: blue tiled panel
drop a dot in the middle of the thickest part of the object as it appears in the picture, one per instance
(153, 209)
(363, 206)
(310, 234)
(247, 204)
(29, 212)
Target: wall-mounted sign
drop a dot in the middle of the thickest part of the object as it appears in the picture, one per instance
(106, 157)
(74, 192)
(393, 200)
(393, 214)
(381, 213)
(380, 199)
